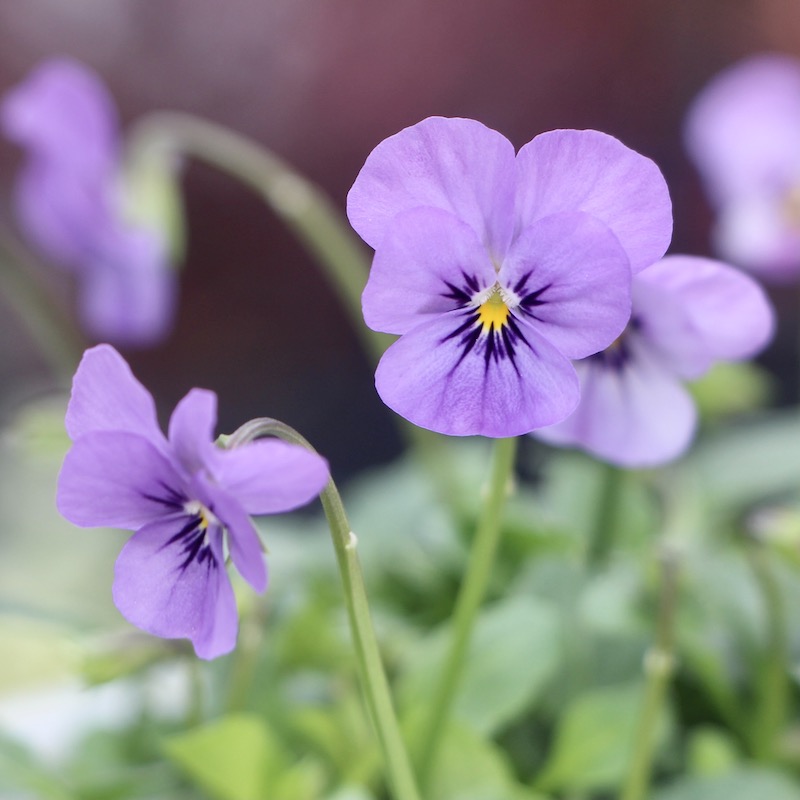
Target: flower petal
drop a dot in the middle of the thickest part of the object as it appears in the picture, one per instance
(117, 479)
(579, 279)
(269, 476)
(435, 380)
(157, 590)
(588, 171)
(696, 311)
(633, 415)
(191, 430)
(107, 397)
(424, 253)
(458, 165)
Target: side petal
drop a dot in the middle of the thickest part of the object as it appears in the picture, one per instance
(458, 165)
(574, 280)
(107, 397)
(697, 311)
(425, 255)
(117, 479)
(460, 384)
(589, 171)
(269, 476)
(634, 415)
(156, 589)
(191, 429)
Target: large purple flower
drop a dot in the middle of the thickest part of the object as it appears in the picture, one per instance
(180, 494)
(496, 269)
(742, 132)
(688, 313)
(74, 205)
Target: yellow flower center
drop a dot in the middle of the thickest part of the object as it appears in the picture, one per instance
(791, 207)
(493, 312)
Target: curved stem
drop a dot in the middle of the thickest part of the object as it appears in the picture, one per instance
(470, 596)
(301, 205)
(373, 677)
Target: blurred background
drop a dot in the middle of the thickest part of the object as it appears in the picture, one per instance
(321, 83)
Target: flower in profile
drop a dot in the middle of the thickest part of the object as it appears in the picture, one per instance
(742, 132)
(688, 312)
(497, 269)
(185, 498)
(77, 207)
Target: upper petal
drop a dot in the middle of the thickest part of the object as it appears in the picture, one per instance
(107, 397)
(697, 311)
(157, 589)
(458, 165)
(569, 170)
(191, 430)
(460, 385)
(425, 253)
(574, 280)
(117, 479)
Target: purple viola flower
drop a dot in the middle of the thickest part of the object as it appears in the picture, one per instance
(688, 313)
(742, 132)
(185, 498)
(497, 269)
(75, 207)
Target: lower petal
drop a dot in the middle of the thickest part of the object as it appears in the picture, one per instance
(158, 591)
(435, 380)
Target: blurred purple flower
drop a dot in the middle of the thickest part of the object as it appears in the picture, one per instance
(688, 312)
(743, 133)
(74, 206)
(496, 269)
(181, 495)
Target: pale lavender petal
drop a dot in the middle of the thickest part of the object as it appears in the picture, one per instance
(742, 129)
(191, 429)
(633, 415)
(725, 314)
(128, 294)
(574, 279)
(458, 165)
(117, 479)
(434, 378)
(245, 546)
(158, 588)
(63, 112)
(107, 397)
(269, 476)
(424, 253)
(588, 171)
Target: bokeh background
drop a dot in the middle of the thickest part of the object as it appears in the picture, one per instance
(321, 82)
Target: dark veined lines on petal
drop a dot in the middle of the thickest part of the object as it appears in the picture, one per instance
(193, 542)
(495, 341)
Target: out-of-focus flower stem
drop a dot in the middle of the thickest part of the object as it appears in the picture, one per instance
(602, 534)
(659, 667)
(301, 205)
(468, 603)
(373, 677)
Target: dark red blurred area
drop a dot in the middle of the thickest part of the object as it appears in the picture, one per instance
(321, 82)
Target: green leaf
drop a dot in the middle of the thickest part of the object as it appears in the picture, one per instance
(742, 784)
(233, 758)
(593, 741)
(712, 752)
(21, 775)
(512, 656)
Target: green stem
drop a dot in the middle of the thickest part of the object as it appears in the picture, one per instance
(773, 683)
(470, 596)
(301, 205)
(602, 534)
(373, 677)
(659, 666)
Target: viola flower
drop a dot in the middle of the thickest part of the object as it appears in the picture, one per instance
(184, 497)
(497, 269)
(742, 132)
(76, 205)
(688, 313)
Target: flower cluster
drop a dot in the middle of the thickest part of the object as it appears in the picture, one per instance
(181, 494)
(742, 132)
(76, 206)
